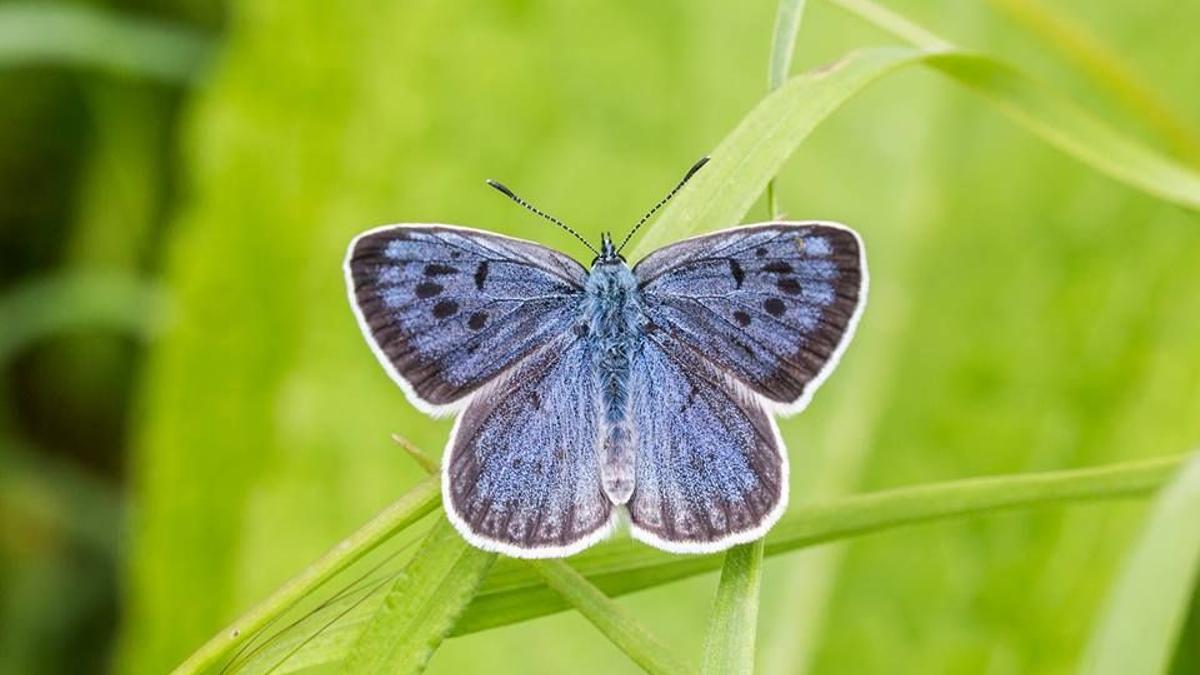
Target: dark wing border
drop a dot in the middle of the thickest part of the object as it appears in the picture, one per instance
(428, 407)
(787, 408)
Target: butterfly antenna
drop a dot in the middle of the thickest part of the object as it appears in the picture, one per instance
(513, 196)
(688, 176)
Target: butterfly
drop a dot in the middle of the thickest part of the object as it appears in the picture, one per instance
(582, 392)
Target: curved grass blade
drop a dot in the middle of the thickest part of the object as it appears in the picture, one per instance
(729, 647)
(783, 46)
(753, 153)
(1106, 68)
(423, 498)
(1141, 624)
(52, 305)
(422, 605)
(619, 626)
(514, 592)
(77, 35)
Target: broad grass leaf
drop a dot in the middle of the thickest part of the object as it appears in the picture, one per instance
(95, 39)
(422, 605)
(1147, 608)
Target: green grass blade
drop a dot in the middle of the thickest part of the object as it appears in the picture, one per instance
(77, 35)
(408, 509)
(422, 605)
(53, 305)
(1071, 129)
(896, 24)
(513, 592)
(619, 626)
(1105, 67)
(1149, 603)
(729, 647)
(783, 42)
(751, 155)
(779, 66)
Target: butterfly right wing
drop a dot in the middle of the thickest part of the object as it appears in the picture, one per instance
(446, 309)
(521, 474)
(773, 304)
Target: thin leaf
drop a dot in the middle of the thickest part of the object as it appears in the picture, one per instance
(1149, 602)
(514, 592)
(754, 152)
(422, 605)
(619, 626)
(77, 35)
(423, 498)
(729, 647)
(783, 46)
(1105, 67)
(50, 306)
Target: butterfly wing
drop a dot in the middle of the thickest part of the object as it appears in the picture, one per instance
(522, 474)
(710, 469)
(447, 309)
(773, 304)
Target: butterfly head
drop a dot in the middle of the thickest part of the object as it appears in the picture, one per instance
(609, 254)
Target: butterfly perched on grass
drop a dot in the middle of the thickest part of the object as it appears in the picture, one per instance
(582, 391)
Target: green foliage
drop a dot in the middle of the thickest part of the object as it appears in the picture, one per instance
(1141, 625)
(422, 605)
(515, 592)
(78, 35)
(1032, 316)
(733, 625)
(617, 624)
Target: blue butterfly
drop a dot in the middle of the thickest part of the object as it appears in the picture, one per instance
(582, 391)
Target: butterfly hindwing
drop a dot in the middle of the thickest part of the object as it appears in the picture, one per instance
(710, 469)
(773, 304)
(447, 309)
(521, 475)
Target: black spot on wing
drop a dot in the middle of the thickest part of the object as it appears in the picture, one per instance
(477, 320)
(742, 318)
(445, 308)
(481, 274)
(778, 267)
(736, 270)
(760, 251)
(789, 285)
(428, 289)
(774, 306)
(438, 269)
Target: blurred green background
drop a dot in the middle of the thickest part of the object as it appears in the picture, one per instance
(190, 414)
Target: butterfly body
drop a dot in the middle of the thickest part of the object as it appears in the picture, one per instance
(587, 391)
(613, 310)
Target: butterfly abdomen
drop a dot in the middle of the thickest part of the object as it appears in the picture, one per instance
(615, 318)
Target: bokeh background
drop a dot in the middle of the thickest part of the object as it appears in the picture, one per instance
(190, 414)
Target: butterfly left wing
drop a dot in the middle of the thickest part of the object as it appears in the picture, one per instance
(447, 309)
(521, 474)
(773, 304)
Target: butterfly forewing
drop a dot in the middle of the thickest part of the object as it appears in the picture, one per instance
(522, 474)
(710, 467)
(772, 304)
(447, 309)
